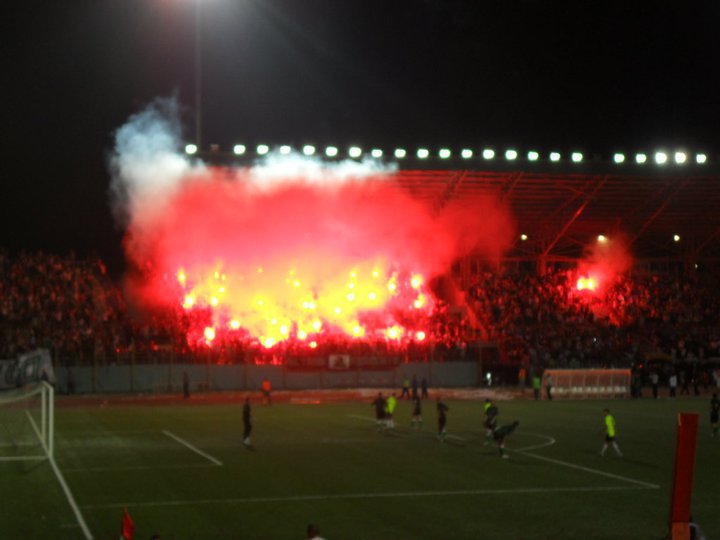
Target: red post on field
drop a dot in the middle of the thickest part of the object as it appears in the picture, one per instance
(687, 428)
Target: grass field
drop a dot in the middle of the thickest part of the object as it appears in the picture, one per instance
(181, 470)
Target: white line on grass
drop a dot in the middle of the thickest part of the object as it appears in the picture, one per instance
(588, 469)
(550, 442)
(409, 494)
(23, 458)
(193, 448)
(137, 468)
(449, 436)
(63, 484)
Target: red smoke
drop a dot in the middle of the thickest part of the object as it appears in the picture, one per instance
(298, 260)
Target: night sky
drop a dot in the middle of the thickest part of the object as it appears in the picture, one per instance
(595, 76)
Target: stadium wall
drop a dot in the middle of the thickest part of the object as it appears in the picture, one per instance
(163, 378)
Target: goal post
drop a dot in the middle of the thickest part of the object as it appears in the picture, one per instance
(27, 423)
(588, 383)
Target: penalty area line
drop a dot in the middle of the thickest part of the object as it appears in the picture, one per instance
(647, 485)
(68, 494)
(338, 496)
(193, 448)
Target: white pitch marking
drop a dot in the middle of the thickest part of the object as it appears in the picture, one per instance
(193, 448)
(449, 436)
(63, 484)
(550, 442)
(323, 497)
(594, 471)
(137, 468)
(23, 458)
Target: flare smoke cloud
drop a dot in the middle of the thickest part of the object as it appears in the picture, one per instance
(285, 212)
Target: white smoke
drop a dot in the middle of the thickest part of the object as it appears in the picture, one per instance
(148, 164)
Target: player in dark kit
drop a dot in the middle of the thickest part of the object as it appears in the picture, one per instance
(491, 414)
(502, 433)
(247, 422)
(714, 413)
(442, 418)
(380, 405)
(417, 420)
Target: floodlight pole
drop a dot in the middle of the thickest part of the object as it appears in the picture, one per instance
(198, 73)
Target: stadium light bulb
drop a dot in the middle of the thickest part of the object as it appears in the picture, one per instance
(331, 151)
(676, 237)
(680, 158)
(423, 153)
(488, 153)
(376, 153)
(555, 156)
(700, 158)
(576, 157)
(191, 149)
(239, 149)
(511, 155)
(661, 158)
(466, 153)
(285, 149)
(355, 152)
(640, 158)
(400, 153)
(262, 149)
(619, 158)
(523, 237)
(308, 150)
(602, 238)
(444, 153)
(533, 155)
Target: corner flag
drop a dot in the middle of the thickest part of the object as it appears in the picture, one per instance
(128, 526)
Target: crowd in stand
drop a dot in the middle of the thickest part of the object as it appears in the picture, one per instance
(71, 306)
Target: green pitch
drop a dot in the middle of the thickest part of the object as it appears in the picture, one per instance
(182, 472)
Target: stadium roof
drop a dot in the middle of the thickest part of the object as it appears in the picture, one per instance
(667, 212)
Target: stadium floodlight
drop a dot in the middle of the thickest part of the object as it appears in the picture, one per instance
(262, 149)
(619, 158)
(354, 151)
(285, 149)
(423, 153)
(191, 149)
(308, 150)
(661, 158)
(466, 153)
(533, 155)
(680, 158)
(511, 154)
(601, 238)
(576, 157)
(523, 237)
(700, 159)
(331, 151)
(640, 158)
(376, 153)
(444, 153)
(676, 237)
(555, 156)
(400, 153)
(488, 153)
(239, 149)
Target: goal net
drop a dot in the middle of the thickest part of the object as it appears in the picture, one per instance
(587, 383)
(27, 423)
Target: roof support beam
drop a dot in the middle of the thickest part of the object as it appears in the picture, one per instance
(588, 198)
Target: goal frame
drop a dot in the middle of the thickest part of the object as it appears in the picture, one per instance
(45, 431)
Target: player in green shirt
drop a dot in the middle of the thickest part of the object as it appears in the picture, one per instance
(390, 410)
(610, 434)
